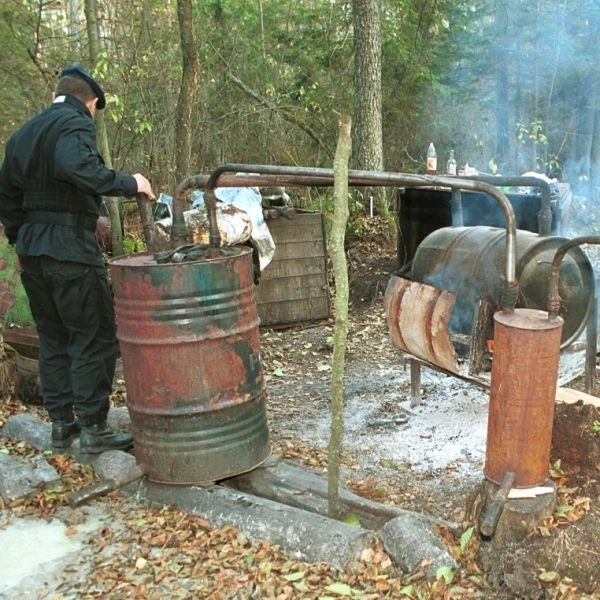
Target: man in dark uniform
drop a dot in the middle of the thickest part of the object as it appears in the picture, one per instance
(51, 183)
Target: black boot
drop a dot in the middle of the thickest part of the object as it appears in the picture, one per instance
(100, 438)
(63, 433)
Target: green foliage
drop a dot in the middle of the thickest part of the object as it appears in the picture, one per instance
(324, 203)
(132, 243)
(445, 573)
(534, 137)
(440, 64)
(534, 133)
(556, 470)
(20, 312)
(466, 537)
(352, 520)
(11, 287)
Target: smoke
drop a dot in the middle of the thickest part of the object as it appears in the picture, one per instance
(468, 292)
(531, 69)
(583, 218)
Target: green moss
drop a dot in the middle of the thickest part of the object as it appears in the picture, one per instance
(19, 313)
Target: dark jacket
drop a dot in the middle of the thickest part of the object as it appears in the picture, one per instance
(52, 182)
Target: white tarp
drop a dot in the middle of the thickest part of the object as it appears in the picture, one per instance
(239, 218)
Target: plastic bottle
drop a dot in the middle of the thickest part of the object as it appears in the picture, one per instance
(431, 160)
(451, 165)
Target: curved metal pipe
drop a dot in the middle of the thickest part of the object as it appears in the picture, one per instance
(179, 235)
(553, 296)
(493, 512)
(545, 214)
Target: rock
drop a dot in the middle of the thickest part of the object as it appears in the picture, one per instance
(116, 464)
(410, 539)
(71, 517)
(113, 463)
(19, 476)
(38, 433)
(119, 418)
(30, 429)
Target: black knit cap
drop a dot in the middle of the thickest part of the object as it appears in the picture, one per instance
(77, 71)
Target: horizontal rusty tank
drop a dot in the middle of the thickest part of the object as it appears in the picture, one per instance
(190, 345)
(470, 262)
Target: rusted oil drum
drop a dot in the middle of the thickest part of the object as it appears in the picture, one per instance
(423, 210)
(190, 347)
(522, 396)
(471, 262)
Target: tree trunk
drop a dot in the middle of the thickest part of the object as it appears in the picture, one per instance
(587, 151)
(111, 203)
(595, 150)
(299, 533)
(294, 485)
(74, 27)
(187, 91)
(502, 139)
(368, 136)
(340, 274)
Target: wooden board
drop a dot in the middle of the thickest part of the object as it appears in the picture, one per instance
(293, 288)
(570, 396)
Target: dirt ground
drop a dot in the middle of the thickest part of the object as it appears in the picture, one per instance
(383, 433)
(428, 458)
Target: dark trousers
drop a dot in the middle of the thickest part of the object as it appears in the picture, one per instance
(73, 310)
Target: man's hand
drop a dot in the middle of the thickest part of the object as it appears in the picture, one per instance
(144, 187)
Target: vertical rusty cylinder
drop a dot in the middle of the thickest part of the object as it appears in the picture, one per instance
(522, 396)
(190, 346)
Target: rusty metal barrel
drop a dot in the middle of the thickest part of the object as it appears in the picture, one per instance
(470, 262)
(522, 396)
(190, 345)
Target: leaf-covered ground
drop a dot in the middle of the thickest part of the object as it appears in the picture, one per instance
(144, 551)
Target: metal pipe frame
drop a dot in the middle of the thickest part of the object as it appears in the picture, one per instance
(271, 175)
(545, 214)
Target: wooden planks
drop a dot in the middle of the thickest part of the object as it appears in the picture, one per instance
(293, 288)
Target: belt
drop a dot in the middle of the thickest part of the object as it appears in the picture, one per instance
(86, 221)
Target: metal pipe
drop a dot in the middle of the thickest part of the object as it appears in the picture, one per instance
(545, 214)
(376, 178)
(214, 237)
(491, 516)
(456, 206)
(258, 180)
(591, 347)
(553, 295)
(522, 396)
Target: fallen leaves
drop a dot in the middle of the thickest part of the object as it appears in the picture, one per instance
(151, 552)
(160, 552)
(570, 507)
(44, 502)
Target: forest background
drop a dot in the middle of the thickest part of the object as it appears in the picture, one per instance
(510, 85)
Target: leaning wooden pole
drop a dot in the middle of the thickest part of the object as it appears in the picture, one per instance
(340, 275)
